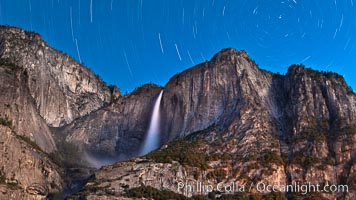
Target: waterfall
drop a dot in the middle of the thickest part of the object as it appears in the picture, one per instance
(152, 138)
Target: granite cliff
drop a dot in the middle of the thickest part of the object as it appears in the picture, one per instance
(224, 120)
(41, 89)
(239, 123)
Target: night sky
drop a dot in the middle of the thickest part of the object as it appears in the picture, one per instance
(133, 42)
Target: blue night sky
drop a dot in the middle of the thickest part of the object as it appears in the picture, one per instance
(133, 42)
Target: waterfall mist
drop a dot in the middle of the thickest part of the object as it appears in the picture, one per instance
(97, 161)
(152, 137)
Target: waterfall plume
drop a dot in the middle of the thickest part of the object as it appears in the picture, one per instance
(152, 137)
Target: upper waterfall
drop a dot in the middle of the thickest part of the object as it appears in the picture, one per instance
(152, 138)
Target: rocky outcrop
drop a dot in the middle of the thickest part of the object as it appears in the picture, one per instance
(26, 171)
(40, 88)
(211, 92)
(320, 128)
(19, 109)
(62, 89)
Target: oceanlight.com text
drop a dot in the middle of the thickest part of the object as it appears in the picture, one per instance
(300, 188)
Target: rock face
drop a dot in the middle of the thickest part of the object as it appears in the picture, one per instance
(63, 89)
(25, 141)
(26, 171)
(40, 88)
(224, 120)
(117, 130)
(19, 108)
